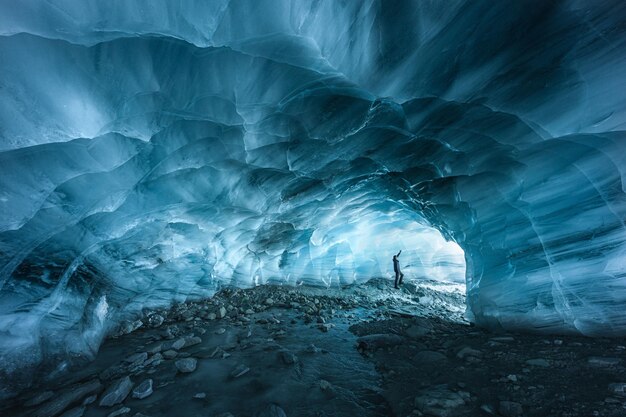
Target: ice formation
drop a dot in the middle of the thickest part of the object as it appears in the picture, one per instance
(153, 150)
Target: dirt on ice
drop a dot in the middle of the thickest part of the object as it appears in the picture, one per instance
(362, 350)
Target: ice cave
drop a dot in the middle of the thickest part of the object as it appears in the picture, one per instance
(200, 202)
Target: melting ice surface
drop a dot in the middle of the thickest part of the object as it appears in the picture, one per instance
(152, 151)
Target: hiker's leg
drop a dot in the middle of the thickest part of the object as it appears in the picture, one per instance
(395, 284)
(401, 277)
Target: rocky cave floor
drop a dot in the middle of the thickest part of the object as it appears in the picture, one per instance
(363, 350)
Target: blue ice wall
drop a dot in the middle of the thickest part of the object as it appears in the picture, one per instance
(153, 150)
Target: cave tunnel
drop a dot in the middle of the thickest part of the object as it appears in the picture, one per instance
(169, 166)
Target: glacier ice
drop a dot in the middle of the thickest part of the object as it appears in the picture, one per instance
(151, 152)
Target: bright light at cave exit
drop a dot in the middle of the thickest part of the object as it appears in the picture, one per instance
(365, 244)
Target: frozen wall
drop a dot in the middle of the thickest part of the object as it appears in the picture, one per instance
(151, 150)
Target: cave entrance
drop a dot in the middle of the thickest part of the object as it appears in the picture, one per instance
(364, 249)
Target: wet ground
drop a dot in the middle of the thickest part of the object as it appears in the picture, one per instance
(364, 350)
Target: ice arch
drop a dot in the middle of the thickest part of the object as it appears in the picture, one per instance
(150, 151)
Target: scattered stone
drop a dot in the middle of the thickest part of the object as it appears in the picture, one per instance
(143, 390)
(510, 409)
(269, 301)
(119, 412)
(375, 341)
(62, 401)
(325, 385)
(439, 401)
(221, 330)
(116, 392)
(127, 327)
(211, 316)
(221, 313)
(170, 354)
(178, 344)
(420, 328)
(538, 362)
(74, 412)
(429, 356)
(200, 396)
(488, 409)
(469, 352)
(136, 358)
(240, 370)
(39, 398)
(271, 410)
(601, 362)
(287, 357)
(155, 320)
(156, 348)
(325, 327)
(192, 341)
(313, 349)
(502, 339)
(186, 365)
(618, 389)
(90, 400)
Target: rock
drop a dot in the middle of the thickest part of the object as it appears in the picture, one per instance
(538, 362)
(127, 327)
(510, 409)
(211, 316)
(221, 330)
(154, 360)
(192, 341)
(221, 313)
(136, 358)
(240, 370)
(313, 349)
(269, 301)
(170, 354)
(602, 362)
(178, 344)
(439, 401)
(428, 356)
(119, 412)
(325, 385)
(502, 339)
(74, 412)
(116, 392)
(287, 357)
(487, 409)
(375, 341)
(143, 390)
(156, 348)
(63, 400)
(618, 389)
(200, 396)
(416, 331)
(39, 398)
(155, 320)
(271, 410)
(325, 327)
(186, 365)
(467, 352)
(90, 400)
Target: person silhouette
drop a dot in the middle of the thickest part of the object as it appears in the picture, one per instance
(396, 269)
